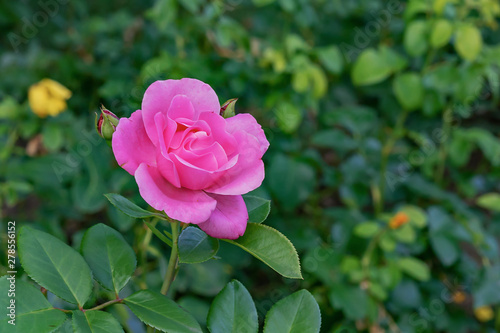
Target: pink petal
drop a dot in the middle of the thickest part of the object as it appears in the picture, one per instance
(229, 219)
(181, 107)
(131, 145)
(246, 122)
(159, 95)
(194, 177)
(167, 169)
(180, 204)
(248, 172)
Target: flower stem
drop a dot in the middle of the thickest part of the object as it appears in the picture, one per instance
(108, 303)
(443, 152)
(174, 258)
(395, 135)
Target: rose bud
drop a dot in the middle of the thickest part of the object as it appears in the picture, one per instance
(106, 124)
(227, 109)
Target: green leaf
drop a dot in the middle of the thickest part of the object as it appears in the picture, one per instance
(335, 139)
(351, 299)
(95, 322)
(271, 247)
(55, 266)
(417, 215)
(405, 234)
(162, 313)
(370, 68)
(445, 247)
(258, 208)
(366, 229)
(233, 311)
(297, 313)
(387, 242)
(393, 59)
(33, 313)
(415, 268)
(53, 137)
(408, 90)
(468, 42)
(441, 33)
(110, 257)
(290, 180)
(489, 201)
(196, 246)
(129, 208)
(415, 38)
(331, 58)
(288, 117)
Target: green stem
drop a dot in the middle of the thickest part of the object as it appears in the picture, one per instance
(174, 258)
(103, 305)
(386, 152)
(367, 256)
(144, 250)
(443, 151)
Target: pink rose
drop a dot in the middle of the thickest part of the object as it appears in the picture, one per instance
(188, 160)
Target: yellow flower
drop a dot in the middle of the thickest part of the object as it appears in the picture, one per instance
(484, 313)
(48, 97)
(398, 220)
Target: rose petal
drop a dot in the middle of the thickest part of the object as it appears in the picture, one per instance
(229, 219)
(248, 172)
(178, 203)
(194, 177)
(131, 145)
(246, 122)
(167, 169)
(159, 95)
(181, 107)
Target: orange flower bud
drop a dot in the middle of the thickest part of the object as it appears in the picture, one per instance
(398, 220)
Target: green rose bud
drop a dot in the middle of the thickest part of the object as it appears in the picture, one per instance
(106, 123)
(227, 109)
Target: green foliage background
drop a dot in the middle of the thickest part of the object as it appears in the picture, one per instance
(371, 108)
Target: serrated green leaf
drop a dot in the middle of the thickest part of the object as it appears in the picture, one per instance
(297, 313)
(489, 201)
(415, 268)
(33, 313)
(95, 322)
(271, 247)
(233, 311)
(258, 208)
(160, 312)
(196, 246)
(129, 208)
(55, 266)
(110, 257)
